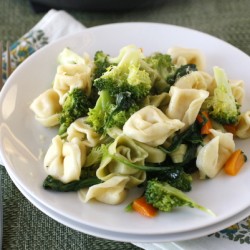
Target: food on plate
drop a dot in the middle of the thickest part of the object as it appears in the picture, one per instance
(136, 120)
(211, 157)
(235, 162)
(222, 105)
(47, 108)
(166, 197)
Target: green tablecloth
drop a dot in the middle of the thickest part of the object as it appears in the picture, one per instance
(25, 227)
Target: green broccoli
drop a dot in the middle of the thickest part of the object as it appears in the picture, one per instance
(222, 106)
(160, 67)
(101, 62)
(175, 176)
(165, 197)
(110, 111)
(125, 75)
(162, 63)
(75, 106)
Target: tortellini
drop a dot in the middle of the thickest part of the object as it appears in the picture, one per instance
(214, 154)
(155, 155)
(127, 148)
(238, 90)
(177, 155)
(47, 108)
(64, 160)
(181, 56)
(70, 76)
(111, 192)
(160, 101)
(151, 126)
(243, 127)
(84, 132)
(197, 80)
(185, 104)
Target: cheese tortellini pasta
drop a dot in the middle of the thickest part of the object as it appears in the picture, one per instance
(160, 101)
(127, 148)
(47, 108)
(72, 72)
(214, 154)
(151, 126)
(64, 160)
(155, 155)
(185, 104)
(113, 191)
(243, 128)
(72, 76)
(197, 80)
(238, 90)
(181, 56)
(84, 132)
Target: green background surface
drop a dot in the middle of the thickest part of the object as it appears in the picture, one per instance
(25, 227)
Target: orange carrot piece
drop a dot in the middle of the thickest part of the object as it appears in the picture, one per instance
(204, 120)
(235, 162)
(230, 128)
(141, 206)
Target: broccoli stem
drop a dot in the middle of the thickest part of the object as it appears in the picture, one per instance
(165, 197)
(137, 166)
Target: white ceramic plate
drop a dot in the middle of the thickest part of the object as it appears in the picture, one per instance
(134, 237)
(21, 143)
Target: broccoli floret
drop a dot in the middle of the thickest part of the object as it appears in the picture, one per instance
(75, 106)
(222, 106)
(175, 176)
(97, 116)
(162, 63)
(110, 111)
(125, 75)
(165, 197)
(160, 67)
(101, 61)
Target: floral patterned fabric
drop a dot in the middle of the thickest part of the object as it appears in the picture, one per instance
(24, 47)
(239, 232)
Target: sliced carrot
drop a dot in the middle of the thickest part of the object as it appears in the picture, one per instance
(235, 162)
(204, 120)
(141, 206)
(230, 128)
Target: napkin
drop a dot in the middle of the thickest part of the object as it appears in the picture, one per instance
(56, 24)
